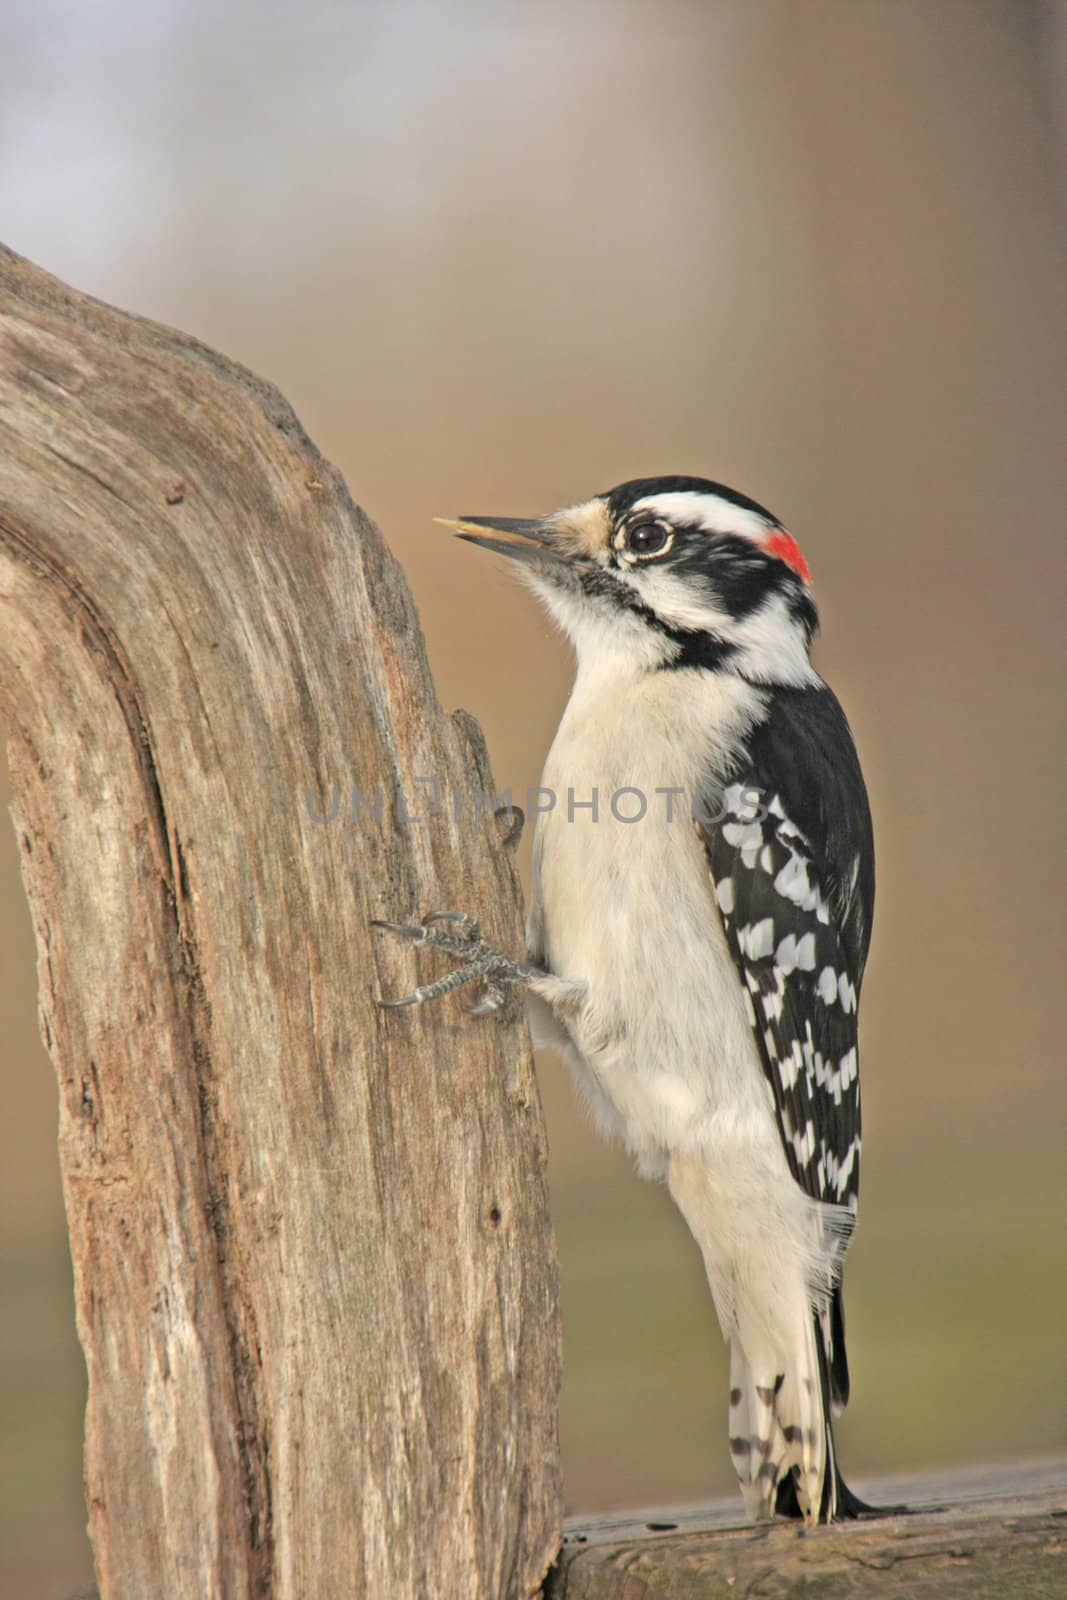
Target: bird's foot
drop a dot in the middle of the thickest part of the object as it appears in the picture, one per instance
(459, 935)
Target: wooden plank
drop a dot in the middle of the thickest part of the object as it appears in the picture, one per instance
(991, 1533)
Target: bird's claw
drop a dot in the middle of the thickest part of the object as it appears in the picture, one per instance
(480, 963)
(469, 929)
(468, 936)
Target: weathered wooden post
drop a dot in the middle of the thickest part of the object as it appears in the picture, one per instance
(315, 1275)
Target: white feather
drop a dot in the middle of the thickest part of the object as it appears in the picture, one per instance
(691, 508)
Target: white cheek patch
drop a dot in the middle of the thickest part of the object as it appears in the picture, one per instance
(707, 511)
(770, 647)
(681, 602)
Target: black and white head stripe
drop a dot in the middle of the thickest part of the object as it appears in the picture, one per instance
(699, 505)
(627, 496)
(793, 866)
(707, 561)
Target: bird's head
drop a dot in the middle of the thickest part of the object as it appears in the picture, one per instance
(667, 572)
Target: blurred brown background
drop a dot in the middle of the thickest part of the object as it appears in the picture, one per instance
(501, 257)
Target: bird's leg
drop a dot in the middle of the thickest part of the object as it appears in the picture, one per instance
(459, 935)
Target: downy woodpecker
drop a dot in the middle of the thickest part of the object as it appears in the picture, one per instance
(696, 953)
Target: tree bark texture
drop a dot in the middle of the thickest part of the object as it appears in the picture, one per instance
(315, 1276)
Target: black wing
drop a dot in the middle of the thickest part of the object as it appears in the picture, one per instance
(791, 854)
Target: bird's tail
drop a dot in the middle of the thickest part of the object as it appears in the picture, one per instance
(781, 1430)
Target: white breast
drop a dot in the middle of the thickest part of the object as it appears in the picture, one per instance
(663, 1049)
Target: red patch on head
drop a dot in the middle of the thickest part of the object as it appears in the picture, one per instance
(784, 546)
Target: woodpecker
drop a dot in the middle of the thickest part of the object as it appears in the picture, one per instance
(699, 964)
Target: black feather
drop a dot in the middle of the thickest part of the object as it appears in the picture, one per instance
(839, 1379)
(792, 846)
(799, 807)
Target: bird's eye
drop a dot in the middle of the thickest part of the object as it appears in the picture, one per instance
(647, 537)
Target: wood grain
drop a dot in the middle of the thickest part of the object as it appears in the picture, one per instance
(995, 1533)
(315, 1276)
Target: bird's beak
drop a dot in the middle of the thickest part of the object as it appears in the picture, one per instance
(522, 539)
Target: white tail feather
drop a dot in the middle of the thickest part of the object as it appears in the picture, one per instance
(778, 1427)
(772, 1257)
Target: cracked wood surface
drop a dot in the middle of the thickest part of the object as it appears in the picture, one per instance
(997, 1533)
(315, 1277)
